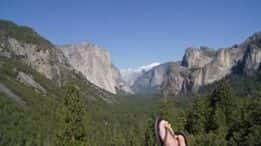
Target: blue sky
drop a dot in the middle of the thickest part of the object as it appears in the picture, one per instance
(139, 32)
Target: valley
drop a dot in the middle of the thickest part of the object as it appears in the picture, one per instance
(74, 95)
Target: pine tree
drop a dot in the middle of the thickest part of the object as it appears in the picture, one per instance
(221, 107)
(165, 109)
(150, 138)
(246, 130)
(197, 117)
(72, 113)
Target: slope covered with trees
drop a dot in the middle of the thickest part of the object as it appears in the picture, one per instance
(216, 119)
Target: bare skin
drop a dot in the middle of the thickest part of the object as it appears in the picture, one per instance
(168, 135)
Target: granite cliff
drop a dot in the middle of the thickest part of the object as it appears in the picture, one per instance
(202, 66)
(95, 64)
(29, 60)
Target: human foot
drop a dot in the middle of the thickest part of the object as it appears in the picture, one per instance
(167, 136)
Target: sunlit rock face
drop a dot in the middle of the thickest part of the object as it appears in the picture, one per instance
(151, 80)
(220, 66)
(252, 58)
(95, 64)
(198, 57)
(130, 75)
(202, 66)
(176, 81)
(47, 61)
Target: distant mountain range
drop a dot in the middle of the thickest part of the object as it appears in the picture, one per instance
(91, 65)
(130, 75)
(202, 66)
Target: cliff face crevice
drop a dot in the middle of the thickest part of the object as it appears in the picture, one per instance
(252, 59)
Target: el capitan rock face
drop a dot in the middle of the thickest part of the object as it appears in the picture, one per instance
(95, 64)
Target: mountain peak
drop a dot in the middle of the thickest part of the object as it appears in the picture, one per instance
(130, 75)
(197, 57)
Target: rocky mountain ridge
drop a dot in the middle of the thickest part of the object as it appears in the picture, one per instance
(92, 64)
(28, 52)
(202, 66)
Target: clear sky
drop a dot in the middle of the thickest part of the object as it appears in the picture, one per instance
(139, 32)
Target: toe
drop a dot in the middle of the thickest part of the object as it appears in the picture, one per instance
(181, 140)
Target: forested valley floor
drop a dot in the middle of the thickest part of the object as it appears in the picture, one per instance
(228, 113)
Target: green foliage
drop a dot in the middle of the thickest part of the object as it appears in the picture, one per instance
(246, 130)
(18, 127)
(73, 112)
(222, 120)
(197, 117)
(22, 33)
(222, 105)
(150, 139)
(168, 110)
(165, 109)
(207, 139)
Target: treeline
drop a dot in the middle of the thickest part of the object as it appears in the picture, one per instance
(220, 118)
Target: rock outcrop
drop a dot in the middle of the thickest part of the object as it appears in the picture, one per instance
(176, 81)
(121, 85)
(197, 58)
(23, 43)
(10, 94)
(34, 61)
(130, 75)
(151, 80)
(44, 61)
(202, 66)
(95, 64)
(29, 81)
(252, 58)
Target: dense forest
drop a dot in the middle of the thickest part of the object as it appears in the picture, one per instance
(223, 116)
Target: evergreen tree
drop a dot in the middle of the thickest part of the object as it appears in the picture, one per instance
(150, 137)
(197, 117)
(165, 109)
(72, 129)
(221, 105)
(170, 112)
(246, 130)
